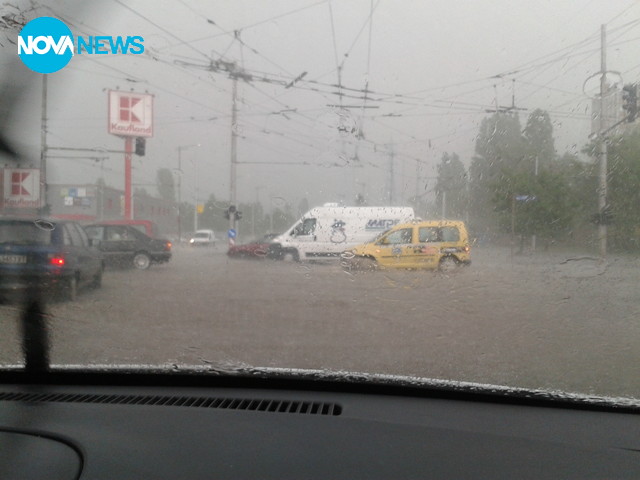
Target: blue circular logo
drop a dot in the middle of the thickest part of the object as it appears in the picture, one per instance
(45, 45)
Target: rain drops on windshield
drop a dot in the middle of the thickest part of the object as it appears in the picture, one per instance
(369, 188)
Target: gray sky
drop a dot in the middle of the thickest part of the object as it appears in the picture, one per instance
(433, 69)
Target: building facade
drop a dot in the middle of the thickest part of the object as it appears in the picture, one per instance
(95, 203)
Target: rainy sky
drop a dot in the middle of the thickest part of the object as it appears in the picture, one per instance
(328, 90)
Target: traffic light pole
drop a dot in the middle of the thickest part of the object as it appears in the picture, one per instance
(128, 148)
(602, 148)
(234, 142)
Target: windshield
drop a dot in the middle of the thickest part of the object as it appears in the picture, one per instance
(500, 137)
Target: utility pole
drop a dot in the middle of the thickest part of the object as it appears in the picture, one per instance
(179, 195)
(602, 153)
(234, 143)
(391, 179)
(417, 183)
(271, 218)
(43, 147)
(253, 210)
(195, 211)
(535, 174)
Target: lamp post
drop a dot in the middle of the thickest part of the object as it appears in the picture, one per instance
(179, 169)
(253, 210)
(195, 212)
(275, 201)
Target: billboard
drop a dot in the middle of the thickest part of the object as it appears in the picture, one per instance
(22, 187)
(130, 114)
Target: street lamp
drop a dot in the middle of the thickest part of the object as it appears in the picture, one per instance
(275, 201)
(179, 169)
(253, 210)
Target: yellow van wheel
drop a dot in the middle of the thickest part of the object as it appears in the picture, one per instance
(367, 264)
(448, 264)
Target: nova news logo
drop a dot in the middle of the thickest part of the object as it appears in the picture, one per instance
(46, 45)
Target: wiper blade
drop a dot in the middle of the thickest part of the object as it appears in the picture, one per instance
(35, 337)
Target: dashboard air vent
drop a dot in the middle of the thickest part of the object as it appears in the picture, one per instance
(260, 405)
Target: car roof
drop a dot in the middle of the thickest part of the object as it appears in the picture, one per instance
(108, 224)
(431, 223)
(126, 222)
(27, 218)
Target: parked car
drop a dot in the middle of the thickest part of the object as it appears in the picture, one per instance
(431, 244)
(203, 238)
(49, 254)
(125, 245)
(256, 249)
(149, 228)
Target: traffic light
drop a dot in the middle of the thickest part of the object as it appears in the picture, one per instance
(238, 215)
(630, 101)
(140, 146)
(231, 211)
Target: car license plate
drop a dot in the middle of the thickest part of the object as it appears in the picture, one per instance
(13, 259)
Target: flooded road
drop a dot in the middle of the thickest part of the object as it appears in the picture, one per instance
(557, 321)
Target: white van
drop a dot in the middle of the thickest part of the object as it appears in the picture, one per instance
(325, 232)
(203, 238)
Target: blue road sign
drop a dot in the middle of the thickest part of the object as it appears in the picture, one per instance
(231, 233)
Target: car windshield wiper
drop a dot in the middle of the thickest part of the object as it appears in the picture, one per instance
(35, 336)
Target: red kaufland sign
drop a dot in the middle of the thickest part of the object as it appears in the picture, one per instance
(22, 187)
(130, 114)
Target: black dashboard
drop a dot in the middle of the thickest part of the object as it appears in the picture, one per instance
(182, 427)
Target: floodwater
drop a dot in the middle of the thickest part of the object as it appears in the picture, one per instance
(553, 321)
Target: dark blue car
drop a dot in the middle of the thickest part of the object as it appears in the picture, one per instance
(48, 254)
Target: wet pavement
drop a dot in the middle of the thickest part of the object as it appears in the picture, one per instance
(558, 321)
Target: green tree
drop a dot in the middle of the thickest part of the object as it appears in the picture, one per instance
(165, 183)
(186, 217)
(500, 150)
(303, 207)
(539, 142)
(623, 194)
(451, 186)
(581, 180)
(548, 209)
(504, 168)
(213, 215)
(283, 218)
(258, 225)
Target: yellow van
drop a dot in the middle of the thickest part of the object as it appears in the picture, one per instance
(432, 244)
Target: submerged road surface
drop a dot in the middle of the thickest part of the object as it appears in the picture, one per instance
(549, 321)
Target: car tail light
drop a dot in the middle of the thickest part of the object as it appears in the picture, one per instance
(168, 246)
(57, 261)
